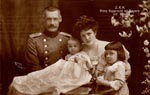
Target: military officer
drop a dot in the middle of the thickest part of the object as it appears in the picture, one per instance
(45, 48)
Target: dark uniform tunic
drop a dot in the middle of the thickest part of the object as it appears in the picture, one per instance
(44, 49)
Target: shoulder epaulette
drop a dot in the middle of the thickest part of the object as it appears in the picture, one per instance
(35, 34)
(65, 34)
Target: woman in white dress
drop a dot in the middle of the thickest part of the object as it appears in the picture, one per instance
(86, 29)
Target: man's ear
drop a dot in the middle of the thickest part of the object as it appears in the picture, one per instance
(95, 33)
(60, 18)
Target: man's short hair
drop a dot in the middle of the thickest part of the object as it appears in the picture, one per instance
(51, 8)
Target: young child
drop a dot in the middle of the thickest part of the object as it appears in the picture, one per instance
(74, 46)
(76, 55)
(61, 77)
(113, 82)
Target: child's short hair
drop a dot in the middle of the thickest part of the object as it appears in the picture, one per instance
(118, 47)
(74, 39)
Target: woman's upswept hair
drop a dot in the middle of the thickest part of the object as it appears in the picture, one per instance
(115, 45)
(84, 23)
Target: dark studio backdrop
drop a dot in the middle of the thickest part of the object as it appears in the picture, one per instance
(19, 18)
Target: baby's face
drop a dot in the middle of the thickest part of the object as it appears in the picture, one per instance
(73, 46)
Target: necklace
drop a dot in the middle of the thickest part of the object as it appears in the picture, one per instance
(93, 52)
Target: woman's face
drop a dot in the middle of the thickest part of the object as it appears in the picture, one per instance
(88, 37)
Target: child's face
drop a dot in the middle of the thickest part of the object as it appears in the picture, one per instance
(73, 46)
(111, 56)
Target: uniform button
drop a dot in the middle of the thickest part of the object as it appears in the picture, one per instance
(46, 58)
(61, 51)
(44, 40)
(45, 46)
(46, 65)
(46, 52)
(60, 40)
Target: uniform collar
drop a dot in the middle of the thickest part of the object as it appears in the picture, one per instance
(51, 34)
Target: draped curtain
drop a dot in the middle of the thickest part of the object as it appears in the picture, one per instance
(18, 19)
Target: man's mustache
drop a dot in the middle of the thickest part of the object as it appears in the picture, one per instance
(52, 26)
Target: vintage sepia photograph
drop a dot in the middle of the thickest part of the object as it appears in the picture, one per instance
(75, 47)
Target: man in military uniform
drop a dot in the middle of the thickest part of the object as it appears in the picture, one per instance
(45, 48)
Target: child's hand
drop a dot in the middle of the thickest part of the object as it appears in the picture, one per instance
(79, 59)
(67, 56)
(100, 80)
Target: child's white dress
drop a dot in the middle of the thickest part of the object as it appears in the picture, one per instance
(116, 75)
(62, 77)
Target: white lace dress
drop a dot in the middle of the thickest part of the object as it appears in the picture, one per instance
(62, 77)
